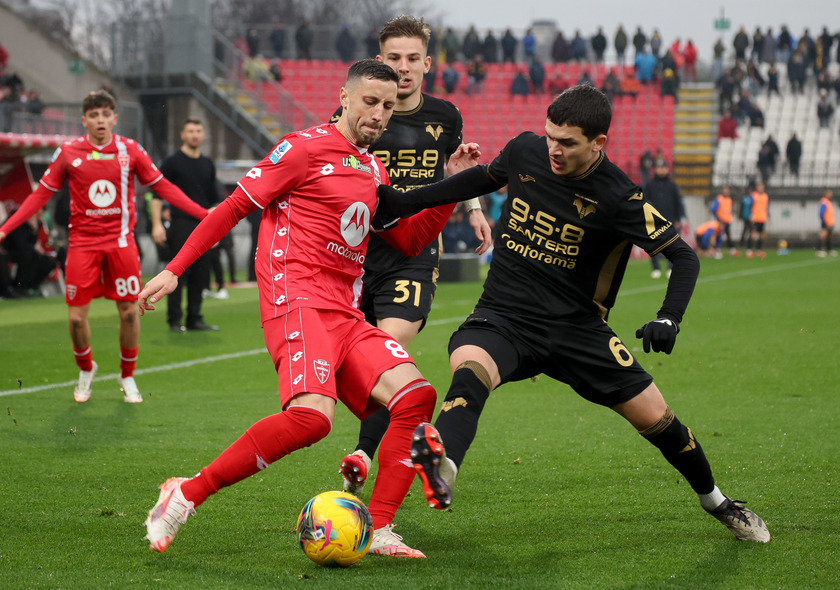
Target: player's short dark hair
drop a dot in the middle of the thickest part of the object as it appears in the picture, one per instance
(372, 69)
(192, 121)
(98, 99)
(582, 106)
(406, 26)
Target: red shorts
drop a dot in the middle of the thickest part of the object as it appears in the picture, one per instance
(330, 353)
(112, 273)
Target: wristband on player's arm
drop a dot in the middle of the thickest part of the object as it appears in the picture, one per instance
(473, 204)
(472, 182)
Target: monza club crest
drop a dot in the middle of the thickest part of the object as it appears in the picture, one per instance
(322, 370)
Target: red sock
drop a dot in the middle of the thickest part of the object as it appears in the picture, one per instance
(262, 444)
(413, 404)
(84, 358)
(128, 361)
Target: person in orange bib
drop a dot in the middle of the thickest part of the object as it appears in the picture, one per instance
(721, 208)
(759, 217)
(708, 238)
(826, 224)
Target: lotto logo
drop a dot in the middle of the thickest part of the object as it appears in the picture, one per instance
(327, 169)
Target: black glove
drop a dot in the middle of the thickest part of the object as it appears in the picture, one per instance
(659, 334)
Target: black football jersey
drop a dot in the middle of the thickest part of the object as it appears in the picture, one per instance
(566, 239)
(414, 149)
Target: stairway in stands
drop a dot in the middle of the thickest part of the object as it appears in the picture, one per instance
(695, 132)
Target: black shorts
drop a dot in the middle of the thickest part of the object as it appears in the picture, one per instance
(586, 354)
(405, 293)
(758, 227)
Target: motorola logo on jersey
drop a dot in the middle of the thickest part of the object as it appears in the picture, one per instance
(102, 193)
(355, 224)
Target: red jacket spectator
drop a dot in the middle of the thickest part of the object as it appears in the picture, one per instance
(727, 126)
(4, 57)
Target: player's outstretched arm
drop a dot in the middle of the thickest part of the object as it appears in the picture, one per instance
(466, 156)
(156, 289)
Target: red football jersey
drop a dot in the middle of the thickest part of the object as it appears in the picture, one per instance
(318, 194)
(101, 182)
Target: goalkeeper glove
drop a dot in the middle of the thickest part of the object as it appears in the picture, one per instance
(659, 334)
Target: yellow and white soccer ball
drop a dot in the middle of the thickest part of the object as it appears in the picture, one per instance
(335, 529)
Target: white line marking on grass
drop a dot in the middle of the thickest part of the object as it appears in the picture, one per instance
(114, 376)
(437, 322)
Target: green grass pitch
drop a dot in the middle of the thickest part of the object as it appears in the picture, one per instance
(555, 492)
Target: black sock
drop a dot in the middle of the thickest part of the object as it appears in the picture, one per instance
(458, 418)
(678, 445)
(372, 430)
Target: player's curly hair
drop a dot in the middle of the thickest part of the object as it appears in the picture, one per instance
(372, 69)
(582, 106)
(406, 26)
(98, 99)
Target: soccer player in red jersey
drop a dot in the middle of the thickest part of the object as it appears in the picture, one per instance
(317, 192)
(102, 256)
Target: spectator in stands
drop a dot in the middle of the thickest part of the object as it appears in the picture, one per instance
(676, 52)
(773, 80)
(519, 86)
(477, 72)
(4, 57)
(275, 71)
(767, 157)
(639, 40)
(769, 52)
(718, 53)
(668, 61)
(611, 87)
(785, 44)
(509, 43)
(451, 45)
(741, 42)
(646, 164)
(432, 47)
(757, 44)
(578, 47)
(303, 40)
(490, 48)
(560, 49)
(825, 110)
(586, 78)
(726, 88)
(472, 44)
(824, 81)
(536, 71)
(755, 81)
(450, 78)
(256, 68)
(669, 84)
(620, 44)
(457, 235)
(252, 38)
(278, 40)
(655, 43)
(826, 39)
(372, 42)
(430, 78)
(557, 83)
(529, 46)
(630, 86)
(689, 54)
(345, 45)
(599, 45)
(645, 66)
(793, 152)
(797, 72)
(727, 126)
(34, 104)
(809, 47)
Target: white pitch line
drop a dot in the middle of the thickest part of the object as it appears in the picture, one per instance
(437, 322)
(114, 376)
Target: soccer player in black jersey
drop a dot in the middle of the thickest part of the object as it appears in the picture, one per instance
(567, 228)
(421, 135)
